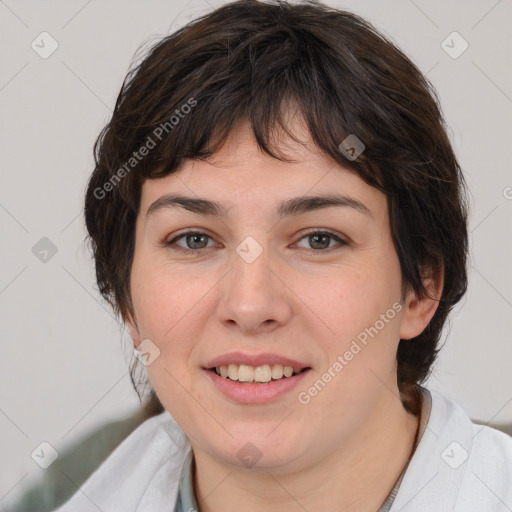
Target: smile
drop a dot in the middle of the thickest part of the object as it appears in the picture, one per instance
(255, 375)
(253, 392)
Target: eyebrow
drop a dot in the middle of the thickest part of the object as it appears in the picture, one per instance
(293, 206)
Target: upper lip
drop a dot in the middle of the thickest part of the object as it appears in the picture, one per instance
(254, 360)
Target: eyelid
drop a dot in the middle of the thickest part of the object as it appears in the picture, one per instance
(341, 239)
(188, 231)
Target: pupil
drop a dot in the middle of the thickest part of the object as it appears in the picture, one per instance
(323, 245)
(194, 239)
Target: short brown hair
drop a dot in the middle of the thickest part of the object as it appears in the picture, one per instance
(244, 62)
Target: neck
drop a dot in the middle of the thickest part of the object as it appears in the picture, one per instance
(372, 459)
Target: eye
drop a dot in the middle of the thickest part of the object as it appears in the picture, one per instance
(194, 241)
(321, 240)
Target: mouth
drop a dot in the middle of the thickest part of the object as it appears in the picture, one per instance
(261, 378)
(262, 374)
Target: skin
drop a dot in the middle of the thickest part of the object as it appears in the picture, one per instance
(295, 300)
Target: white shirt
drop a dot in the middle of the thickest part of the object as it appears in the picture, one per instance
(457, 467)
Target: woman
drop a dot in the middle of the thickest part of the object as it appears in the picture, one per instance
(277, 215)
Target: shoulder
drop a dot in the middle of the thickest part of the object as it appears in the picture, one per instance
(457, 466)
(483, 443)
(489, 474)
(142, 473)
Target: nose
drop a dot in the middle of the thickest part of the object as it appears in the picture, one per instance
(254, 298)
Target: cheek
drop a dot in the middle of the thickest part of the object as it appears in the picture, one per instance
(356, 298)
(170, 308)
(362, 309)
(164, 297)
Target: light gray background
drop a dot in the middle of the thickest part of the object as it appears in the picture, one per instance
(63, 370)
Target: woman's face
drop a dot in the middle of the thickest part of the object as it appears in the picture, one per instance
(272, 280)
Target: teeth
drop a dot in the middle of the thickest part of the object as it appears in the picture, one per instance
(288, 371)
(277, 371)
(263, 373)
(245, 373)
(233, 371)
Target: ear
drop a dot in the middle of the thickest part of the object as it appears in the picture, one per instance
(134, 332)
(418, 311)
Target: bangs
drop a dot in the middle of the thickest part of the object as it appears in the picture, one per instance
(264, 79)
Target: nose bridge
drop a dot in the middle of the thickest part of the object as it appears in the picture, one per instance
(252, 295)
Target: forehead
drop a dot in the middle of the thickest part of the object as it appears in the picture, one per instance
(241, 175)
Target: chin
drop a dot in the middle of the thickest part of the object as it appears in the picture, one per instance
(253, 453)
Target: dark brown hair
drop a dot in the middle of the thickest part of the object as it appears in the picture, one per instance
(249, 61)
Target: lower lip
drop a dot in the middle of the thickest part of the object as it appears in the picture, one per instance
(259, 393)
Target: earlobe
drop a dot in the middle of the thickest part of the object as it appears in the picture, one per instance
(134, 332)
(419, 310)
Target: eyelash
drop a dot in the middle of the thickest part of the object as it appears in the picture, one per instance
(302, 235)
